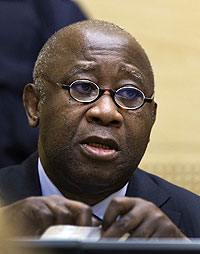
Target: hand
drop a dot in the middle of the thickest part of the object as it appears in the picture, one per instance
(139, 218)
(32, 216)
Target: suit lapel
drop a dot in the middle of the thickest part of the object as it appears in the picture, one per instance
(142, 186)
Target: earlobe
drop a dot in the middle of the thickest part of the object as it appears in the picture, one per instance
(31, 100)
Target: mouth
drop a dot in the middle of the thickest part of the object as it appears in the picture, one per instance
(100, 148)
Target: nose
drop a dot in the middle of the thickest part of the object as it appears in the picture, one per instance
(105, 112)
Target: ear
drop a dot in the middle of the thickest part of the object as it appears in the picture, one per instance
(154, 112)
(31, 100)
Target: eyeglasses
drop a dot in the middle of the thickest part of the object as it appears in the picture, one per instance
(86, 91)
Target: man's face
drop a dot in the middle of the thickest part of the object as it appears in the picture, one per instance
(93, 149)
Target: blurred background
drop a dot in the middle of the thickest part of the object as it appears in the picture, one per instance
(169, 32)
(25, 26)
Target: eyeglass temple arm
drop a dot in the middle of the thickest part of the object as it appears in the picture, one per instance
(149, 99)
(63, 86)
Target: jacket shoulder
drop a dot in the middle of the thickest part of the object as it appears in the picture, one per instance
(19, 181)
(180, 205)
(171, 188)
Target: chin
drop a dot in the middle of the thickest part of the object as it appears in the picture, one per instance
(96, 186)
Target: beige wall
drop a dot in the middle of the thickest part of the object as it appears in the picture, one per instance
(169, 32)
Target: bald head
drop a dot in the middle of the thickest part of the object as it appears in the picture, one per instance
(73, 39)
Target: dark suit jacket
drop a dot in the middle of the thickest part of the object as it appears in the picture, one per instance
(181, 206)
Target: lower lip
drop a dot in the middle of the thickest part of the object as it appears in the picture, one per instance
(99, 152)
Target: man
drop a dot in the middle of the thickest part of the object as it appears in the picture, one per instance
(93, 100)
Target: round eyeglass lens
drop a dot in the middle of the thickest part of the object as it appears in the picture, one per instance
(84, 91)
(129, 97)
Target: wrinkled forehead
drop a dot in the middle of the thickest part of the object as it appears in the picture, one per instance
(77, 43)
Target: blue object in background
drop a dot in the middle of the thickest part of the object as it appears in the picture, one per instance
(25, 26)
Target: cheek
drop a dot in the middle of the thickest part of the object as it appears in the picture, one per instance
(138, 128)
(56, 109)
(59, 120)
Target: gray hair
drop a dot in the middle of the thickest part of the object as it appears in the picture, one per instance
(41, 64)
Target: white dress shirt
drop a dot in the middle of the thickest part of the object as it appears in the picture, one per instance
(48, 188)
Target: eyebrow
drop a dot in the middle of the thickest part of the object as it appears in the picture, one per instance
(138, 77)
(80, 68)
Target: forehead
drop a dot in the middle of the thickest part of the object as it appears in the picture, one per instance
(92, 49)
(90, 42)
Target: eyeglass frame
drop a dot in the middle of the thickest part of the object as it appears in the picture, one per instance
(102, 91)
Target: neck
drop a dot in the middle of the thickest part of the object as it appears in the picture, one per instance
(85, 199)
(88, 192)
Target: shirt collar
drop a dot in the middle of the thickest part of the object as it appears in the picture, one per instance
(48, 188)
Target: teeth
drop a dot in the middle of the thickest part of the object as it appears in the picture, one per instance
(100, 146)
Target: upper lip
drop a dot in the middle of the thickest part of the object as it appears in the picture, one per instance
(103, 141)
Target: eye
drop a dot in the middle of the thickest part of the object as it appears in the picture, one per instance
(82, 87)
(129, 93)
(84, 91)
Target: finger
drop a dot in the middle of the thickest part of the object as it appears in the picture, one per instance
(95, 222)
(46, 219)
(63, 216)
(127, 223)
(169, 230)
(145, 230)
(157, 226)
(116, 207)
(35, 217)
(83, 214)
(70, 212)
